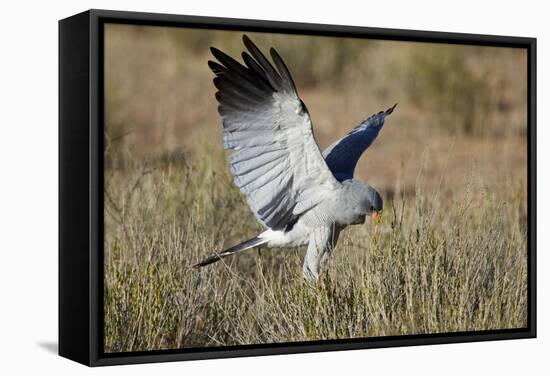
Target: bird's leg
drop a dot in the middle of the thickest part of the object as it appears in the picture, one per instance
(311, 276)
(321, 243)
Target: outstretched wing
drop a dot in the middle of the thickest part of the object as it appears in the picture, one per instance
(276, 161)
(342, 156)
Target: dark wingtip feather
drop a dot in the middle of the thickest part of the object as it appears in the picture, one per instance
(226, 60)
(390, 110)
(283, 70)
(217, 53)
(215, 67)
(272, 75)
(217, 83)
(248, 43)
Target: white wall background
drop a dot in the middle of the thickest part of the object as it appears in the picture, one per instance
(28, 185)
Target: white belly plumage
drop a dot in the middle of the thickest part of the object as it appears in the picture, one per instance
(298, 236)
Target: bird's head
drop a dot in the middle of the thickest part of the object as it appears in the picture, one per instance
(374, 203)
(364, 201)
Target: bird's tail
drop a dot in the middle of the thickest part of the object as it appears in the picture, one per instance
(251, 243)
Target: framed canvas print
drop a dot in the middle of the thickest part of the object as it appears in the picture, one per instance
(236, 187)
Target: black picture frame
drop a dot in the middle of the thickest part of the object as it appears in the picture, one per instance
(81, 182)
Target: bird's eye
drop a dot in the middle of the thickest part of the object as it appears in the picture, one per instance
(372, 208)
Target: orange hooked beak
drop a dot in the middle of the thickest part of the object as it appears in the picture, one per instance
(374, 216)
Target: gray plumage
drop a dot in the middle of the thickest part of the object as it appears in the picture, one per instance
(300, 195)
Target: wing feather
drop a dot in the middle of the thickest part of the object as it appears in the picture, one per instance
(282, 68)
(275, 161)
(270, 73)
(342, 156)
(252, 65)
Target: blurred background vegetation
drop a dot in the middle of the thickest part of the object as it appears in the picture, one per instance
(450, 163)
(466, 100)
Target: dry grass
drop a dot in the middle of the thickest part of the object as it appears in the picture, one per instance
(448, 255)
(433, 264)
